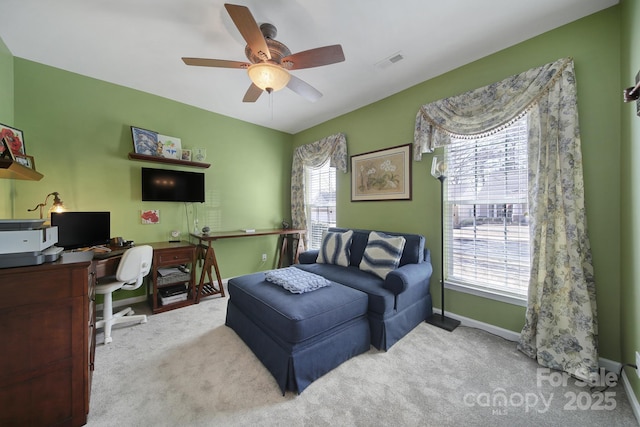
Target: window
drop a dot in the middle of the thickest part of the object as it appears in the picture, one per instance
(320, 193)
(486, 215)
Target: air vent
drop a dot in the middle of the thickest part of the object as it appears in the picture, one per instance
(389, 61)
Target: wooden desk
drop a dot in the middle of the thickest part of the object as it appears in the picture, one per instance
(165, 254)
(206, 289)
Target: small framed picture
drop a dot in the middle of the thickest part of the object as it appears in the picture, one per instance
(185, 154)
(151, 216)
(25, 161)
(14, 139)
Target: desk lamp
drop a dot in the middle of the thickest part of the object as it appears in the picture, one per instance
(57, 206)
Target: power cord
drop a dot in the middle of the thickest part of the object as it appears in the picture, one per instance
(595, 388)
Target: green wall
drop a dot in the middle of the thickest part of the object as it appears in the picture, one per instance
(630, 191)
(593, 42)
(6, 117)
(78, 130)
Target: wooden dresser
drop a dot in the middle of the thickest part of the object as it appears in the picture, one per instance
(47, 342)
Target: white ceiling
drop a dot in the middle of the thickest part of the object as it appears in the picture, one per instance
(139, 44)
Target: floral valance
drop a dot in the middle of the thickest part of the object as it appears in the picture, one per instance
(482, 111)
(314, 154)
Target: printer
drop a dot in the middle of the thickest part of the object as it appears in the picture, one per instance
(25, 242)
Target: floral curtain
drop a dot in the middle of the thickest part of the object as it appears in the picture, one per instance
(315, 154)
(560, 329)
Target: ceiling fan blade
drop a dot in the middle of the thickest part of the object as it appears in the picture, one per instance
(315, 57)
(253, 93)
(304, 89)
(249, 29)
(220, 63)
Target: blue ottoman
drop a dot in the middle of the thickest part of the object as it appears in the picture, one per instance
(298, 337)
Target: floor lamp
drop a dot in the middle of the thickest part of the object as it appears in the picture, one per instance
(438, 171)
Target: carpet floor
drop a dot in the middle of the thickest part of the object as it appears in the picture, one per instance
(185, 367)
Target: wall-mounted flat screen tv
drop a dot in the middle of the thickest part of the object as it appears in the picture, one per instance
(82, 229)
(161, 185)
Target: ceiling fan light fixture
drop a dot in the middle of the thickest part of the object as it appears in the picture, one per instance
(268, 76)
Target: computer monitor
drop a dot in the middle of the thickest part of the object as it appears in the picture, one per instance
(82, 229)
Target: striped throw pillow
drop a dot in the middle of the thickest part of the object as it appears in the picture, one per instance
(382, 254)
(336, 248)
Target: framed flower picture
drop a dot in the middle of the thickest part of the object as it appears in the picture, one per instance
(382, 175)
(14, 139)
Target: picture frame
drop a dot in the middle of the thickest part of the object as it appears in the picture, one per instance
(185, 154)
(150, 216)
(14, 138)
(145, 141)
(26, 161)
(382, 175)
(169, 146)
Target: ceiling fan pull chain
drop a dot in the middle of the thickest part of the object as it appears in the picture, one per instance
(271, 103)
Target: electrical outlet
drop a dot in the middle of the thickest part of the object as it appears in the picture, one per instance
(264, 257)
(638, 364)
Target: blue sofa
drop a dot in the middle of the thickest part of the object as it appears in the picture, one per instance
(397, 303)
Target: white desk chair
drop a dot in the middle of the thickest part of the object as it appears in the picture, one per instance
(134, 266)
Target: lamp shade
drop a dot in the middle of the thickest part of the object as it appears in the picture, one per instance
(438, 167)
(268, 77)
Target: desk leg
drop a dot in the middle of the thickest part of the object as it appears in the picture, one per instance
(298, 248)
(207, 289)
(283, 250)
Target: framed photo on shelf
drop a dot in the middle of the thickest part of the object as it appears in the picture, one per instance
(382, 175)
(185, 154)
(145, 142)
(169, 146)
(26, 161)
(14, 138)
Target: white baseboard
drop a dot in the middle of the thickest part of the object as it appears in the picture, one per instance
(609, 365)
(635, 406)
(472, 323)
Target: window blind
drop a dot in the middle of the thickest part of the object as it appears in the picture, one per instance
(320, 194)
(486, 212)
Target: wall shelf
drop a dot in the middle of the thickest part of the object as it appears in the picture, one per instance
(14, 170)
(156, 159)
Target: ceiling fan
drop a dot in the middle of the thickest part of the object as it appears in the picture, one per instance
(270, 60)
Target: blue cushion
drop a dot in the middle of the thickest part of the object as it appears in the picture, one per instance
(382, 254)
(295, 317)
(336, 248)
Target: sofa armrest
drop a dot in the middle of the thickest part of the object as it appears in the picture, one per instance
(400, 279)
(308, 257)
